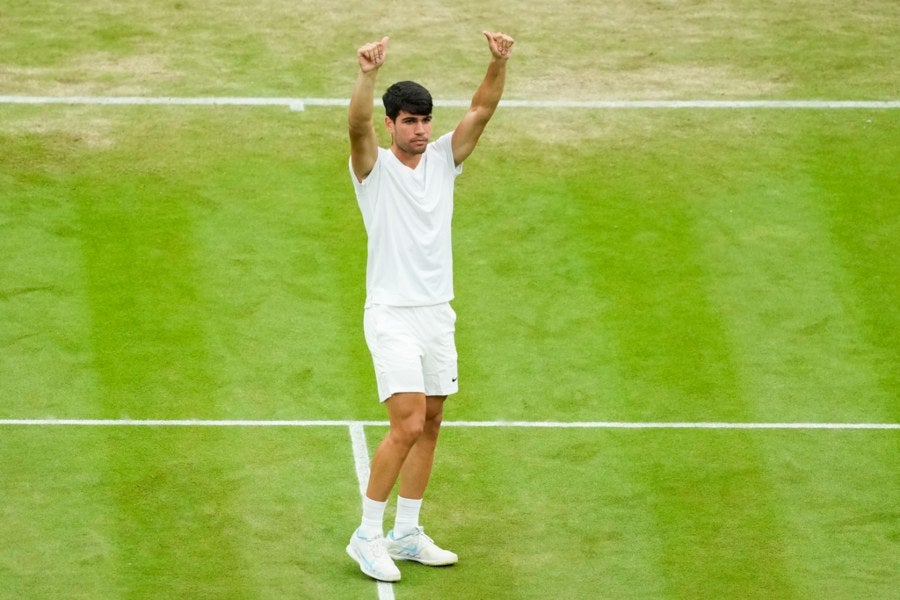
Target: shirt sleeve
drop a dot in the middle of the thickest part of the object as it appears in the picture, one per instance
(366, 183)
(444, 146)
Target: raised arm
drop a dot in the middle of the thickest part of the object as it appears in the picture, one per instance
(486, 98)
(363, 141)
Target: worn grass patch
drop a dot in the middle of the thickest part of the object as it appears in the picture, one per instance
(572, 50)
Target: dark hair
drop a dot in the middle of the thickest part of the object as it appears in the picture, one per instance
(408, 96)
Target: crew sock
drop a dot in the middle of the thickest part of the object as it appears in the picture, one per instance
(372, 518)
(407, 518)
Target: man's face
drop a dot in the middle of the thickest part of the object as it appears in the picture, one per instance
(410, 132)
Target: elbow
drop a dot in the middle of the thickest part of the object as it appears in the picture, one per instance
(481, 113)
(480, 120)
(358, 128)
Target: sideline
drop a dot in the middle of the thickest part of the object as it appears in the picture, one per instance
(361, 460)
(300, 104)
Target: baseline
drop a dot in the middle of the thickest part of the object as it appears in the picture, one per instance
(300, 104)
(502, 424)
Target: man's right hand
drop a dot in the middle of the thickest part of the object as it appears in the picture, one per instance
(371, 56)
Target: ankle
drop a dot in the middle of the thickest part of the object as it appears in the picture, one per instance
(407, 518)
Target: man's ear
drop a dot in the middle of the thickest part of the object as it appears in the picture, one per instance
(389, 124)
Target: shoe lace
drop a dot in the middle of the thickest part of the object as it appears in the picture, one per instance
(375, 546)
(378, 550)
(422, 538)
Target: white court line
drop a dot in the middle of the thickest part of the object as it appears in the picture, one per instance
(301, 103)
(361, 460)
(360, 455)
(667, 425)
(499, 424)
(182, 423)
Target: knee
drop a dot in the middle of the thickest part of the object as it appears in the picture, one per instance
(433, 423)
(408, 432)
(434, 415)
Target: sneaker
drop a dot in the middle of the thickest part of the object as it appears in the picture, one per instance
(419, 547)
(372, 557)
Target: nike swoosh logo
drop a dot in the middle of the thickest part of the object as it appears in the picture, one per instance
(370, 564)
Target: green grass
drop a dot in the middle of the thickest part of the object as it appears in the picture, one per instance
(262, 513)
(676, 514)
(738, 257)
(634, 265)
(133, 513)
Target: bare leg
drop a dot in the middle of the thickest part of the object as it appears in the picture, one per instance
(416, 470)
(407, 414)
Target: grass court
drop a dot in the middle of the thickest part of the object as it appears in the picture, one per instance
(619, 266)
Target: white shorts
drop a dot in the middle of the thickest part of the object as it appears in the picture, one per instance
(413, 349)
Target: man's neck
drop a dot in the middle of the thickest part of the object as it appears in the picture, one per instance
(407, 158)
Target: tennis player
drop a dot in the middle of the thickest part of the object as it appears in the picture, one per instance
(405, 194)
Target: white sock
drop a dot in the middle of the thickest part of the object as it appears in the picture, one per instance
(407, 518)
(372, 518)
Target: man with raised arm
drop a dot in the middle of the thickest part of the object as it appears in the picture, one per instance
(405, 194)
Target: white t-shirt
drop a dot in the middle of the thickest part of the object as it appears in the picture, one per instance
(407, 214)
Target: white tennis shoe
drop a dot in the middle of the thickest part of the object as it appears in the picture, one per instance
(418, 547)
(372, 556)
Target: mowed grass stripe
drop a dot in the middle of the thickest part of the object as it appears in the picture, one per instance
(649, 267)
(150, 354)
(837, 502)
(142, 280)
(207, 516)
(684, 515)
(181, 530)
(717, 516)
(45, 354)
(58, 529)
(862, 186)
(770, 233)
(283, 258)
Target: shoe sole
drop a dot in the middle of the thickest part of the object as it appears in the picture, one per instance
(352, 555)
(425, 562)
